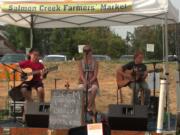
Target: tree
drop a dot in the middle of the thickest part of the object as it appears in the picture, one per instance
(19, 37)
(152, 35)
(66, 41)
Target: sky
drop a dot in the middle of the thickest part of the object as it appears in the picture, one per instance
(122, 30)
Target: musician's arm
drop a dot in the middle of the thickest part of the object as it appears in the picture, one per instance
(18, 67)
(145, 74)
(95, 72)
(43, 72)
(21, 65)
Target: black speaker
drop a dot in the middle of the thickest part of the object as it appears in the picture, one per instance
(83, 130)
(78, 131)
(128, 117)
(37, 114)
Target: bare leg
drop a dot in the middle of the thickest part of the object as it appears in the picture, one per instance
(27, 94)
(40, 92)
(91, 101)
(91, 97)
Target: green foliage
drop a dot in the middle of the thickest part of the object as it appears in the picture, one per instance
(19, 37)
(152, 35)
(66, 41)
(102, 40)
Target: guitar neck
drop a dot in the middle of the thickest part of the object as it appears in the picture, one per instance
(39, 71)
(36, 72)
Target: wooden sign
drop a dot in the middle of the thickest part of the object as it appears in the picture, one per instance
(95, 129)
(66, 109)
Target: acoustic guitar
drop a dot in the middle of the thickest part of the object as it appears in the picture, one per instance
(27, 75)
(123, 81)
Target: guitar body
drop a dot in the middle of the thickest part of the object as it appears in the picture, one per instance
(27, 75)
(123, 81)
(23, 78)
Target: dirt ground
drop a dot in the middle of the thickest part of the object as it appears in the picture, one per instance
(68, 71)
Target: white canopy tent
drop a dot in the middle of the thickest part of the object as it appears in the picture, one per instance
(88, 13)
(23, 13)
(143, 12)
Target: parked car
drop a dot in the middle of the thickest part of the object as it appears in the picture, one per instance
(10, 58)
(126, 58)
(54, 58)
(172, 57)
(102, 57)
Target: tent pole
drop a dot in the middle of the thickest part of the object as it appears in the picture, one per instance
(166, 47)
(163, 43)
(167, 71)
(32, 32)
(177, 72)
(177, 81)
(163, 111)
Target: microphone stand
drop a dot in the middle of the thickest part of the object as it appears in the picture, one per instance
(134, 90)
(86, 87)
(154, 79)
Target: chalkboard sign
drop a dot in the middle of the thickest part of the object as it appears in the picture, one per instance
(66, 109)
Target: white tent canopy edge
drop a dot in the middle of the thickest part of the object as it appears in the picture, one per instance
(144, 12)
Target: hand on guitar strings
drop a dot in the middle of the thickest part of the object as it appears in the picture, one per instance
(44, 73)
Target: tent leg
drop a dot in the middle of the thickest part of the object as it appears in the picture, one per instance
(166, 46)
(177, 81)
(177, 97)
(167, 72)
(32, 32)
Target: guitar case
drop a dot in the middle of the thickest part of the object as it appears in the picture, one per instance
(16, 94)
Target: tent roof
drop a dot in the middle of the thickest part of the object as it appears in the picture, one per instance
(144, 12)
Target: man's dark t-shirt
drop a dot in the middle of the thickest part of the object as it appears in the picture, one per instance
(140, 68)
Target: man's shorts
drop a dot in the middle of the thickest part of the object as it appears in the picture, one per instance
(32, 84)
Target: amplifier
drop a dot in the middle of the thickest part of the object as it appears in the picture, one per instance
(128, 117)
(37, 114)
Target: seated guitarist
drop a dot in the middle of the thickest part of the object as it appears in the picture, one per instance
(36, 82)
(134, 74)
